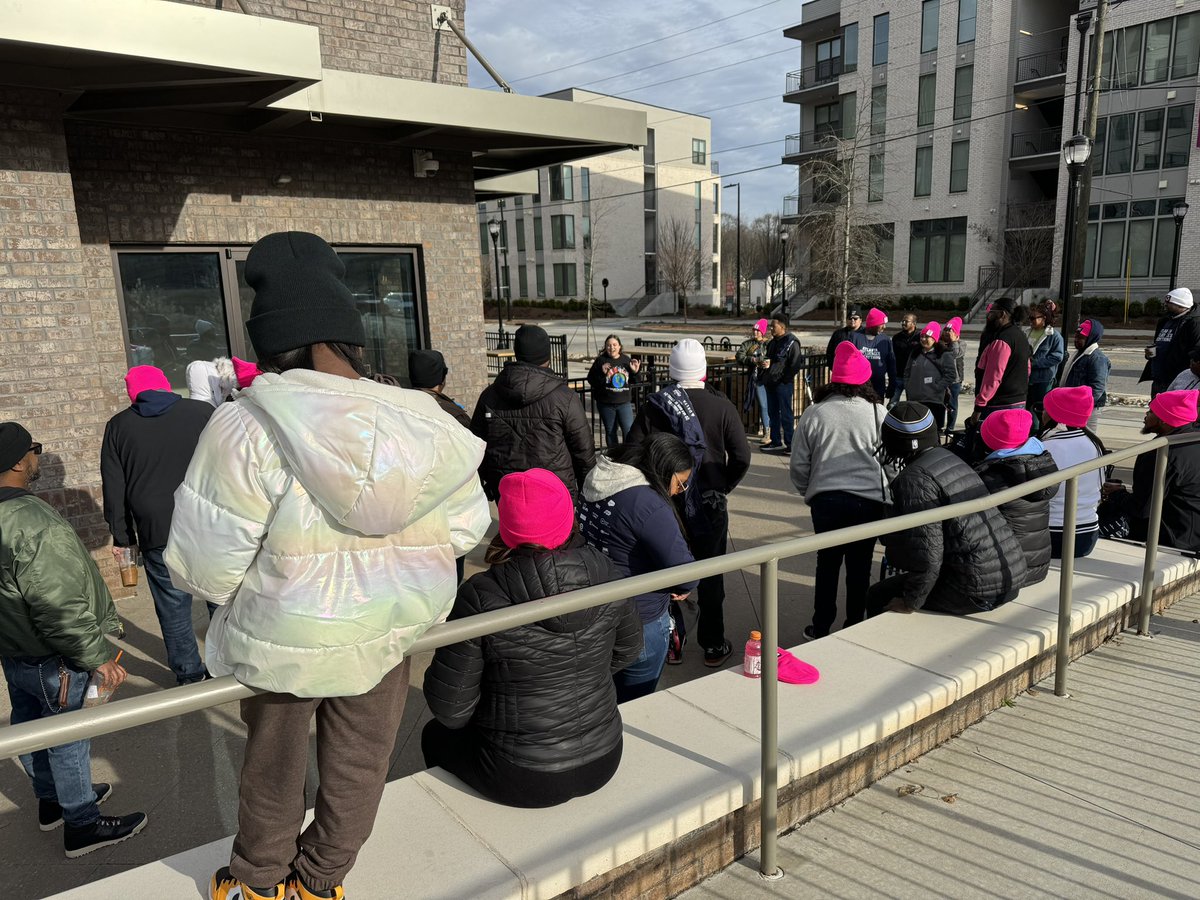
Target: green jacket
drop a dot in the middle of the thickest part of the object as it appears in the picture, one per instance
(52, 598)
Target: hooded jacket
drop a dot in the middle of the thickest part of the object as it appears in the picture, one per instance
(530, 419)
(635, 527)
(1089, 367)
(964, 565)
(1185, 334)
(1046, 356)
(541, 696)
(324, 514)
(1028, 517)
(929, 375)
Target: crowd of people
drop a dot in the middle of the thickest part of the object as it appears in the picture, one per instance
(323, 515)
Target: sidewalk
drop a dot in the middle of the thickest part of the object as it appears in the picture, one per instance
(1079, 797)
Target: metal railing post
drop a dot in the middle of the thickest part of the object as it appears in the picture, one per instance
(1065, 578)
(769, 813)
(1148, 570)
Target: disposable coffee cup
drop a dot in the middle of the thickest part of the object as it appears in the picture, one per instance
(1150, 351)
(127, 563)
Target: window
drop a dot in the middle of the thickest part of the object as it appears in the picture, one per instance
(1158, 54)
(716, 237)
(697, 201)
(564, 280)
(716, 200)
(923, 181)
(875, 178)
(1098, 147)
(930, 10)
(879, 109)
(537, 233)
(1164, 247)
(562, 232)
(964, 86)
(1138, 236)
(716, 276)
(1187, 46)
(485, 240)
(586, 230)
(849, 115)
(829, 59)
(649, 191)
(960, 157)
(585, 184)
(966, 21)
(651, 233)
(937, 250)
(1149, 148)
(885, 254)
(522, 281)
(562, 185)
(519, 224)
(651, 276)
(518, 202)
(539, 273)
(1129, 49)
(879, 36)
(926, 97)
(828, 120)
(696, 276)
(1120, 144)
(849, 49)
(1179, 137)
(1147, 152)
(1111, 257)
(505, 290)
(699, 151)
(648, 150)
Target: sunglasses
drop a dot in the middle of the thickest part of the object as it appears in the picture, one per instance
(36, 449)
(859, 318)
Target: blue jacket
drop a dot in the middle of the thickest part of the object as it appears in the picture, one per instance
(1090, 366)
(882, 358)
(1047, 356)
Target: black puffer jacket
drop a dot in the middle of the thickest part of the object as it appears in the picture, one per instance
(1028, 517)
(531, 419)
(541, 696)
(963, 565)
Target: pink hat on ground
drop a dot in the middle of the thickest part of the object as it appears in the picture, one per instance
(849, 365)
(796, 671)
(145, 378)
(933, 330)
(535, 508)
(955, 325)
(761, 326)
(1070, 406)
(246, 372)
(875, 317)
(1176, 408)
(1006, 429)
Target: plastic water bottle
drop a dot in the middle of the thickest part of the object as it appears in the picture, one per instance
(752, 664)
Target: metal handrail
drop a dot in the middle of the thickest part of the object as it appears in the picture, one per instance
(1047, 64)
(119, 715)
(824, 72)
(1035, 143)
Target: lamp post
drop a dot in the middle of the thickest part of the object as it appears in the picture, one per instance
(1179, 210)
(494, 231)
(1076, 153)
(604, 284)
(783, 238)
(737, 309)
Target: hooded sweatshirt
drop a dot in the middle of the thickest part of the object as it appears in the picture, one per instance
(1089, 367)
(325, 514)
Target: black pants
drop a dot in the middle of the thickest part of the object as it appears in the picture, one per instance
(710, 595)
(462, 753)
(1085, 543)
(832, 510)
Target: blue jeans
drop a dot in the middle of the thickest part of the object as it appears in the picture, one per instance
(952, 406)
(779, 407)
(63, 773)
(174, 610)
(613, 415)
(764, 413)
(641, 677)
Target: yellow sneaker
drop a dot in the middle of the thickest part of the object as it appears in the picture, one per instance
(225, 887)
(295, 890)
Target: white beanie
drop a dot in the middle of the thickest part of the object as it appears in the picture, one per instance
(688, 362)
(1180, 297)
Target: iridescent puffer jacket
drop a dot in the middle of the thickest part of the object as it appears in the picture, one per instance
(324, 514)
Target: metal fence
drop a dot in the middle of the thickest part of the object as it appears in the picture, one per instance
(494, 346)
(1041, 65)
(1034, 143)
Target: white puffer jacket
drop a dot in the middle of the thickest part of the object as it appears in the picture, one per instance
(325, 515)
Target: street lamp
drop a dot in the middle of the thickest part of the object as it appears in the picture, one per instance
(494, 231)
(1076, 153)
(738, 264)
(604, 284)
(1179, 210)
(783, 237)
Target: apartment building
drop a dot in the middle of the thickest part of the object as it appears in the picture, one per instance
(605, 216)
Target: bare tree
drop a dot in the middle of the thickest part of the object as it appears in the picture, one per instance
(597, 211)
(486, 285)
(1029, 245)
(679, 257)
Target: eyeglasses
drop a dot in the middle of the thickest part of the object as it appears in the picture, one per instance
(36, 449)
(683, 484)
(859, 318)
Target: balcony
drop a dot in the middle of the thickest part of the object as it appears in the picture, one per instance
(1041, 75)
(822, 75)
(798, 207)
(798, 146)
(1022, 216)
(818, 19)
(1036, 149)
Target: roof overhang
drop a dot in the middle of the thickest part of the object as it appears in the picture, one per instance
(501, 186)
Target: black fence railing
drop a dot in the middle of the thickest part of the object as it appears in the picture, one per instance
(1033, 143)
(823, 72)
(811, 142)
(498, 353)
(1041, 65)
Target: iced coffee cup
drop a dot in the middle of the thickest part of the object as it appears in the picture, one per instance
(127, 563)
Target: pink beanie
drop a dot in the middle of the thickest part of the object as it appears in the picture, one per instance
(1070, 406)
(535, 508)
(955, 325)
(849, 365)
(1006, 429)
(761, 326)
(1176, 408)
(934, 330)
(875, 317)
(246, 372)
(145, 378)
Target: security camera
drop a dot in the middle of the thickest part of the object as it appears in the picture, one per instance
(424, 165)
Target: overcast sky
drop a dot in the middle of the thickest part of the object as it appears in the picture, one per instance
(525, 40)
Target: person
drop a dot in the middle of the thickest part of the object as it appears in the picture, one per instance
(1067, 438)
(427, 371)
(629, 515)
(963, 565)
(143, 459)
(1189, 378)
(1089, 366)
(528, 716)
(531, 419)
(1176, 333)
(854, 325)
(1001, 370)
(904, 345)
(55, 612)
(1017, 458)
(877, 348)
(930, 373)
(610, 378)
(835, 469)
(1126, 513)
(778, 372)
(1047, 351)
(214, 381)
(751, 354)
(323, 512)
(709, 424)
(952, 343)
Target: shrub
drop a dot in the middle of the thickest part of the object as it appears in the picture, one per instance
(1152, 307)
(1135, 309)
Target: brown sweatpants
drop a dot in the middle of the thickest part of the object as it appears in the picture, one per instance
(355, 739)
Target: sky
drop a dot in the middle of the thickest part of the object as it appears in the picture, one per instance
(743, 57)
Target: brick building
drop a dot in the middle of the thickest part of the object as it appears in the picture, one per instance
(146, 144)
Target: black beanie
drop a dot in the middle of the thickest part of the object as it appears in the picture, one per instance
(532, 345)
(426, 368)
(299, 296)
(15, 442)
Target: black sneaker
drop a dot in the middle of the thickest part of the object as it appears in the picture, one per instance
(810, 633)
(104, 832)
(50, 813)
(716, 656)
(770, 448)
